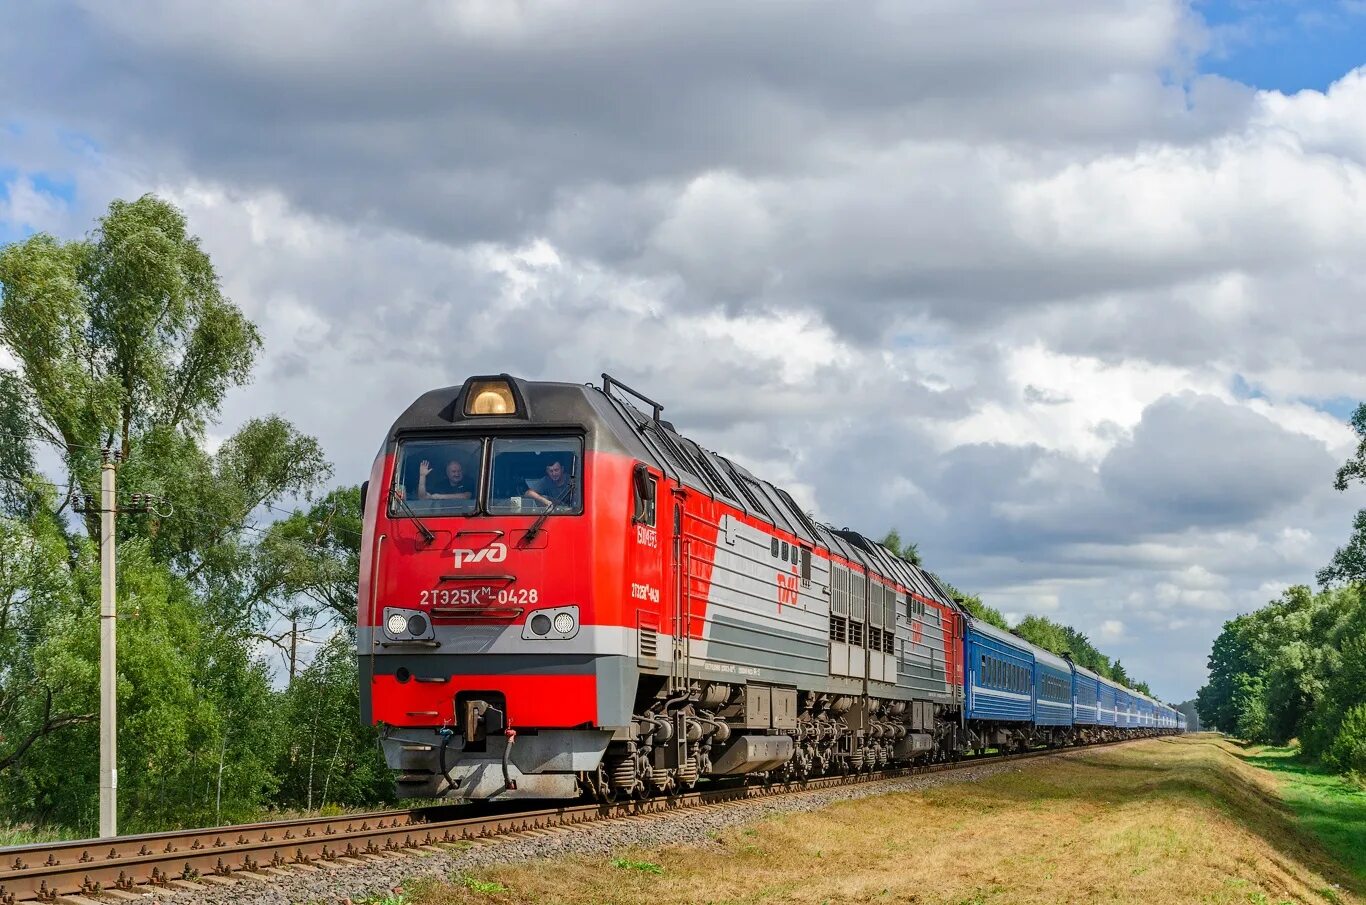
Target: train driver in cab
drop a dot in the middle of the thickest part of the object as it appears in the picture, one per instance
(556, 488)
(452, 484)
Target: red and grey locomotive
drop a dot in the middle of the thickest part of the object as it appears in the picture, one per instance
(560, 595)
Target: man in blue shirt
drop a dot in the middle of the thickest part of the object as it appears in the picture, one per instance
(556, 488)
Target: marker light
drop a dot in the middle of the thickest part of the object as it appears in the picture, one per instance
(490, 397)
(540, 624)
(564, 623)
(397, 623)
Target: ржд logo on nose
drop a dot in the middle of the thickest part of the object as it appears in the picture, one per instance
(495, 552)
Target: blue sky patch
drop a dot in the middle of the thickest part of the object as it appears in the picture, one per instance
(63, 187)
(1287, 45)
(1241, 389)
(1340, 407)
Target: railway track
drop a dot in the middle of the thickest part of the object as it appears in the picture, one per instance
(123, 867)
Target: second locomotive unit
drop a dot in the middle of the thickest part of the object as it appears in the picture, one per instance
(562, 595)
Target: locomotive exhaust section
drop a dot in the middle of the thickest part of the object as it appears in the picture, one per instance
(561, 596)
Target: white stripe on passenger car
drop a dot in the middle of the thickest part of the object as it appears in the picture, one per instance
(996, 692)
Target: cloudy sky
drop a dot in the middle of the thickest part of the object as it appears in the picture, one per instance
(1067, 292)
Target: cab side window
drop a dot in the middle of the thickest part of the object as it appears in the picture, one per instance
(645, 486)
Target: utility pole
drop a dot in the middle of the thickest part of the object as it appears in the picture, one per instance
(109, 510)
(293, 644)
(109, 761)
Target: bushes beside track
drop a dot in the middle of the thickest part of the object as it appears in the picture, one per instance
(1295, 669)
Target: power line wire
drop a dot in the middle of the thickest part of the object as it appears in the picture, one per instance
(215, 516)
(267, 505)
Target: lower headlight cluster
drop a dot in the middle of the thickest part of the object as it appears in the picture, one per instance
(552, 624)
(407, 625)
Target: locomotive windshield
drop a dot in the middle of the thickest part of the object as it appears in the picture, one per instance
(440, 477)
(536, 475)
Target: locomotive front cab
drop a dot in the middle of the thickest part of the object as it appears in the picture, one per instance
(487, 646)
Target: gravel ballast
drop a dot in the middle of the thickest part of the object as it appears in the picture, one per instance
(691, 826)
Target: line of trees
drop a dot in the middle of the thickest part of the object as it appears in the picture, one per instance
(124, 339)
(1296, 668)
(1051, 636)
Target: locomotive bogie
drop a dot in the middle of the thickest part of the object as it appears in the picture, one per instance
(432, 763)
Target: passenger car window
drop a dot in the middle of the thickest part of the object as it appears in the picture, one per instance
(437, 477)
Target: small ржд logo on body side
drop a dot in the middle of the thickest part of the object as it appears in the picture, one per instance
(495, 552)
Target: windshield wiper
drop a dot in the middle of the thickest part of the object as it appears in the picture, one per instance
(567, 492)
(407, 510)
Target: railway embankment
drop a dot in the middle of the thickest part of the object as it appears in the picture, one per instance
(1190, 819)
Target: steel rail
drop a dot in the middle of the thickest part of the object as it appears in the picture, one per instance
(76, 870)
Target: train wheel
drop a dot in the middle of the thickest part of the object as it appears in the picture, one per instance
(603, 786)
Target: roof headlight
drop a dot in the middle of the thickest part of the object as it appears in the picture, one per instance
(397, 623)
(564, 623)
(490, 397)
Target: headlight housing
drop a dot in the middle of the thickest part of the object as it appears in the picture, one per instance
(558, 623)
(490, 396)
(402, 624)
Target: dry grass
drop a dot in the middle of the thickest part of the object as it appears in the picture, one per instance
(1172, 820)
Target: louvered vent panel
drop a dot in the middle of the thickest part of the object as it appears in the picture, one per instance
(649, 644)
(840, 598)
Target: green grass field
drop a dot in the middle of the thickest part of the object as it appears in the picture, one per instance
(1331, 807)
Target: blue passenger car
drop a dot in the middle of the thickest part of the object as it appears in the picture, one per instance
(1105, 702)
(1085, 696)
(1052, 690)
(1126, 716)
(999, 674)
